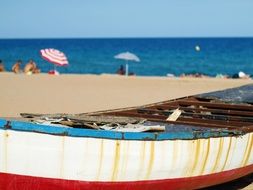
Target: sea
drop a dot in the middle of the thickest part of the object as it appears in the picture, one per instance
(158, 56)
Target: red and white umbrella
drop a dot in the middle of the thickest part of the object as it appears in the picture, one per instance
(54, 56)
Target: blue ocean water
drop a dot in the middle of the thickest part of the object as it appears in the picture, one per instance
(159, 56)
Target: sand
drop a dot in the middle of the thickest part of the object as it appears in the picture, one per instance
(43, 93)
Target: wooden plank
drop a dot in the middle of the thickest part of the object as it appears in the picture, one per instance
(85, 118)
(248, 120)
(189, 123)
(216, 105)
(160, 118)
(215, 111)
(134, 113)
(206, 125)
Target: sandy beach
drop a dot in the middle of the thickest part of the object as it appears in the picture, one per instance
(43, 93)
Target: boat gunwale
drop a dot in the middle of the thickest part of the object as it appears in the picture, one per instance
(114, 135)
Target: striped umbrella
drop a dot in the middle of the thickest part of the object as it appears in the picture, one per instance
(54, 56)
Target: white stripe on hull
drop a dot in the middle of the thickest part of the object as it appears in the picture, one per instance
(95, 159)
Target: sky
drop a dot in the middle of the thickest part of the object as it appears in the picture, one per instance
(128, 18)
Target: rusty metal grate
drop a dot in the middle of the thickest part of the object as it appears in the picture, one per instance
(195, 111)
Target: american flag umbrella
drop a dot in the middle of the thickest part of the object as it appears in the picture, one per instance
(54, 56)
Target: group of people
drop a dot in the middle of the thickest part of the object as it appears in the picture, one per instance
(239, 75)
(29, 68)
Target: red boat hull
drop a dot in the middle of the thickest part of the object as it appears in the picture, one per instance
(21, 182)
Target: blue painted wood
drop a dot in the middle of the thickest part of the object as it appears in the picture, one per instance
(2, 122)
(78, 132)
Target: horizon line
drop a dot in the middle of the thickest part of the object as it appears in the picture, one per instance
(148, 37)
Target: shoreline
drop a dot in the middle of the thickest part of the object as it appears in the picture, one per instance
(132, 76)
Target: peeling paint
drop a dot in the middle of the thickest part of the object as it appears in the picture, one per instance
(121, 160)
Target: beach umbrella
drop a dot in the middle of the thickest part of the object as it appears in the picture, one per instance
(54, 56)
(127, 56)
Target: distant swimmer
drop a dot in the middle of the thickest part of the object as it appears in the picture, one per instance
(16, 68)
(197, 48)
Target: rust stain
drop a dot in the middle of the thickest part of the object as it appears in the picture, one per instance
(206, 156)
(227, 155)
(100, 158)
(218, 157)
(62, 156)
(116, 161)
(151, 159)
(232, 149)
(125, 158)
(196, 156)
(247, 151)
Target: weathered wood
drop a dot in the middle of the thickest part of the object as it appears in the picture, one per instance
(99, 119)
(204, 119)
(216, 105)
(179, 121)
(200, 114)
(34, 115)
(199, 110)
(203, 112)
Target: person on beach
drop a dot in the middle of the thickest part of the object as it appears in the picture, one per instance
(31, 68)
(121, 70)
(240, 75)
(2, 66)
(16, 68)
(194, 75)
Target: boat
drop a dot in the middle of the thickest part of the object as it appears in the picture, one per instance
(181, 144)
